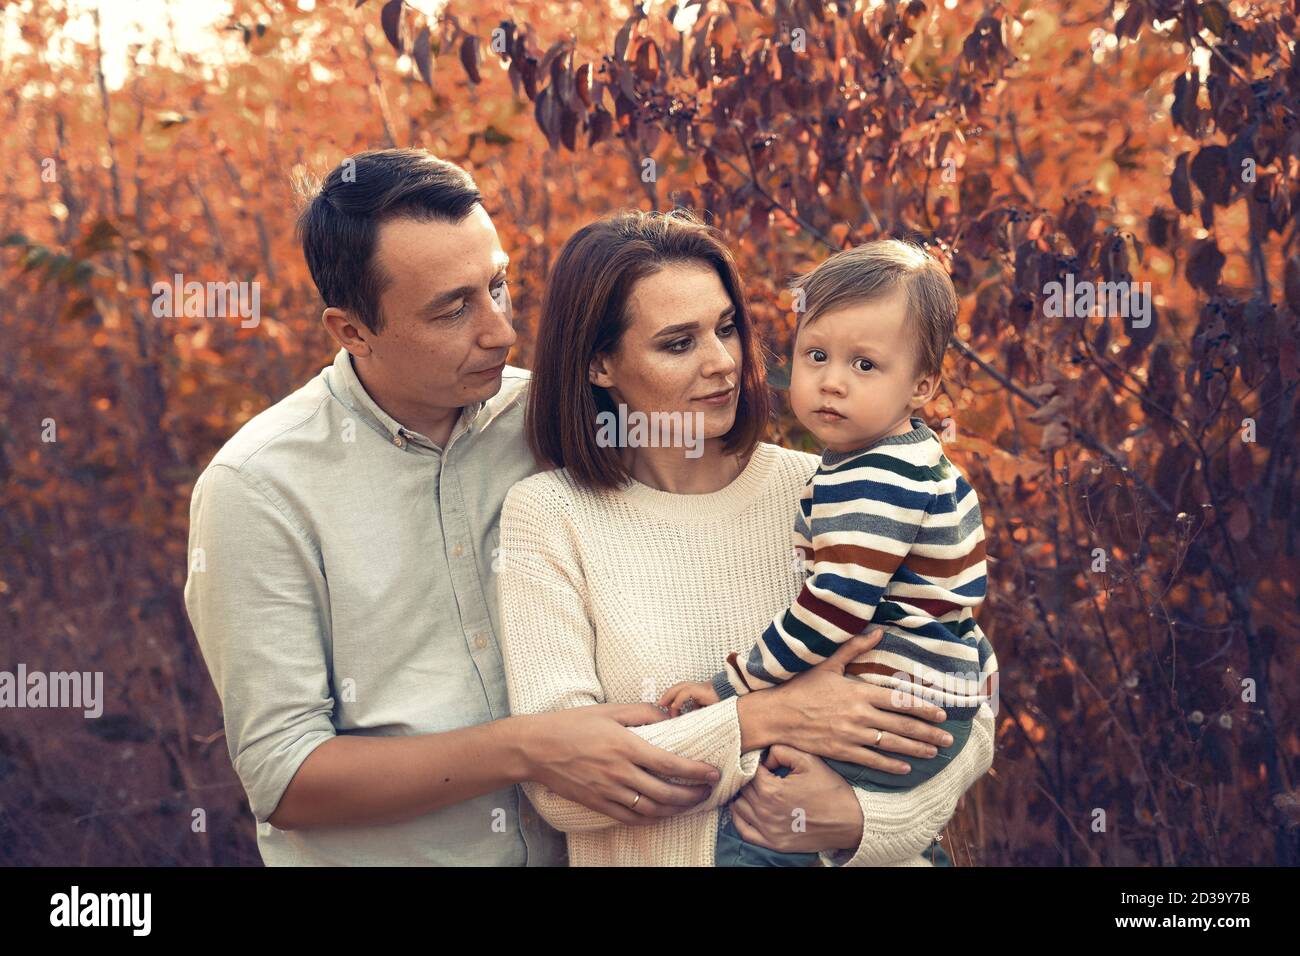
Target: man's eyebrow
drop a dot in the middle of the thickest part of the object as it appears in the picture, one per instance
(444, 299)
(447, 298)
(691, 326)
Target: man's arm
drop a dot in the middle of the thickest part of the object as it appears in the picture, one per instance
(359, 781)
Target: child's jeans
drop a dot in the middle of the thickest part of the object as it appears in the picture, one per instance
(733, 851)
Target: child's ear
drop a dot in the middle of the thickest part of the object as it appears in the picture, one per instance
(598, 372)
(925, 389)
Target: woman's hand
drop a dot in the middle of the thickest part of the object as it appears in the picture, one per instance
(585, 754)
(810, 810)
(842, 718)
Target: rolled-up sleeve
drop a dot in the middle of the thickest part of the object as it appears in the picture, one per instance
(257, 600)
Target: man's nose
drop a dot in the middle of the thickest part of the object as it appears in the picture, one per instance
(500, 331)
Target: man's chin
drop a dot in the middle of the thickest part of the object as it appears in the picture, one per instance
(481, 386)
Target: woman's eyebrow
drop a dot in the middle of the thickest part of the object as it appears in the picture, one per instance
(692, 326)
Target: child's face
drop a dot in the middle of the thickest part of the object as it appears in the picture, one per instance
(854, 379)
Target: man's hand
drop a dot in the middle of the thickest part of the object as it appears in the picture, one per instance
(810, 810)
(675, 697)
(838, 717)
(585, 754)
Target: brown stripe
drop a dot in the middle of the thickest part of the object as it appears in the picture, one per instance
(887, 671)
(860, 556)
(931, 606)
(944, 567)
(740, 671)
(829, 612)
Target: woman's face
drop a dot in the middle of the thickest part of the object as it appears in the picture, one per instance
(681, 351)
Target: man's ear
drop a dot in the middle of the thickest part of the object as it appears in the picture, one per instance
(347, 331)
(598, 372)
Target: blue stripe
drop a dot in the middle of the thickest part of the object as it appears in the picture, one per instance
(873, 491)
(859, 591)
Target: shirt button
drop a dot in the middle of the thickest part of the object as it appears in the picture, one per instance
(458, 550)
(399, 441)
(480, 641)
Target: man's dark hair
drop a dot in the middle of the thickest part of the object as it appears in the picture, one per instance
(340, 224)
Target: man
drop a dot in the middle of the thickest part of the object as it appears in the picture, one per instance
(341, 548)
(341, 582)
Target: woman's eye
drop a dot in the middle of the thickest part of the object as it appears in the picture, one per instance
(727, 329)
(681, 345)
(860, 363)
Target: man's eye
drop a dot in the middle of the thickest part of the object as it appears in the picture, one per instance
(859, 363)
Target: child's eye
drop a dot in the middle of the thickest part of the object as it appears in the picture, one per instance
(817, 355)
(863, 365)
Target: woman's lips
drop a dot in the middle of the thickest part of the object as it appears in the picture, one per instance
(722, 398)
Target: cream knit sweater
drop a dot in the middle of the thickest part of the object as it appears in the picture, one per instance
(613, 597)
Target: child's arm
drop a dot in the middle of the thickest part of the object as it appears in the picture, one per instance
(864, 519)
(675, 697)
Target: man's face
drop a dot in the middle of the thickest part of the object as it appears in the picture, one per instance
(447, 317)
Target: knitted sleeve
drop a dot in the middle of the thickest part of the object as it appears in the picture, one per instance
(864, 518)
(548, 647)
(897, 826)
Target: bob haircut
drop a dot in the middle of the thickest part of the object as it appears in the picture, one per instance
(585, 313)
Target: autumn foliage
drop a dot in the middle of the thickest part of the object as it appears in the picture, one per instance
(1138, 481)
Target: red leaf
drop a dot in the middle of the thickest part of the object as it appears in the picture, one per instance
(391, 18)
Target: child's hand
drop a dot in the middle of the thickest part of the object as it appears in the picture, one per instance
(675, 697)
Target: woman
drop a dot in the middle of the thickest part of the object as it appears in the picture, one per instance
(628, 569)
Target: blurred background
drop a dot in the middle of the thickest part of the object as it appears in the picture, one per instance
(1138, 480)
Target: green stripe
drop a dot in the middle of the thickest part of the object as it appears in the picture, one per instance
(896, 465)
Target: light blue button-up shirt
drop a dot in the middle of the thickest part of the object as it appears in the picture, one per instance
(341, 582)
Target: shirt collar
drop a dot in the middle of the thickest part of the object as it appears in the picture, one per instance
(348, 389)
(920, 432)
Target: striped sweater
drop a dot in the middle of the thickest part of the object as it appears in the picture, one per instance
(889, 535)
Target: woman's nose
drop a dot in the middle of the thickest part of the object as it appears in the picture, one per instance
(719, 360)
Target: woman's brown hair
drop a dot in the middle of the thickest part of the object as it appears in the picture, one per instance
(585, 313)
